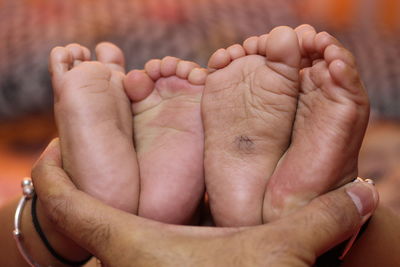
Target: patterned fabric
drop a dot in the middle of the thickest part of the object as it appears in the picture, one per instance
(190, 29)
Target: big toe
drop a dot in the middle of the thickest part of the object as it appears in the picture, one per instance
(110, 55)
(283, 52)
(138, 85)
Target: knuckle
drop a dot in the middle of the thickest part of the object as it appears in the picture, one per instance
(287, 252)
(328, 209)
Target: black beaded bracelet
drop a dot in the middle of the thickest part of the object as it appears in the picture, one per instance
(46, 241)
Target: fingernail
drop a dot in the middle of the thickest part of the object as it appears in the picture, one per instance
(364, 196)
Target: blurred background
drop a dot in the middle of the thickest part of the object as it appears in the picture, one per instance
(193, 30)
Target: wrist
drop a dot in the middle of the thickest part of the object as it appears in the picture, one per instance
(31, 241)
(60, 243)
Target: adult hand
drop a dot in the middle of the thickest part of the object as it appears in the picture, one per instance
(121, 239)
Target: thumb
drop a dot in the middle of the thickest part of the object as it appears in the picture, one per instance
(334, 217)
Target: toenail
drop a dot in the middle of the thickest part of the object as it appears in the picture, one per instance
(364, 196)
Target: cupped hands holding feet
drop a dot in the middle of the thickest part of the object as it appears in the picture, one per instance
(278, 120)
(120, 239)
(270, 126)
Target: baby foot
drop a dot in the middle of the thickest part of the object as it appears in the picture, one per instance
(330, 123)
(248, 107)
(94, 122)
(169, 138)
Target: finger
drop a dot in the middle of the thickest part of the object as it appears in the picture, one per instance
(93, 225)
(334, 217)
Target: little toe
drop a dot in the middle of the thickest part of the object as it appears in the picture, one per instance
(138, 85)
(110, 55)
(236, 51)
(198, 76)
(250, 45)
(168, 66)
(219, 59)
(184, 68)
(153, 68)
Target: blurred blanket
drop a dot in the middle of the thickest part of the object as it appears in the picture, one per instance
(190, 29)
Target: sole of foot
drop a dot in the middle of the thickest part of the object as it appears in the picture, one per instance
(169, 137)
(330, 123)
(248, 107)
(94, 122)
